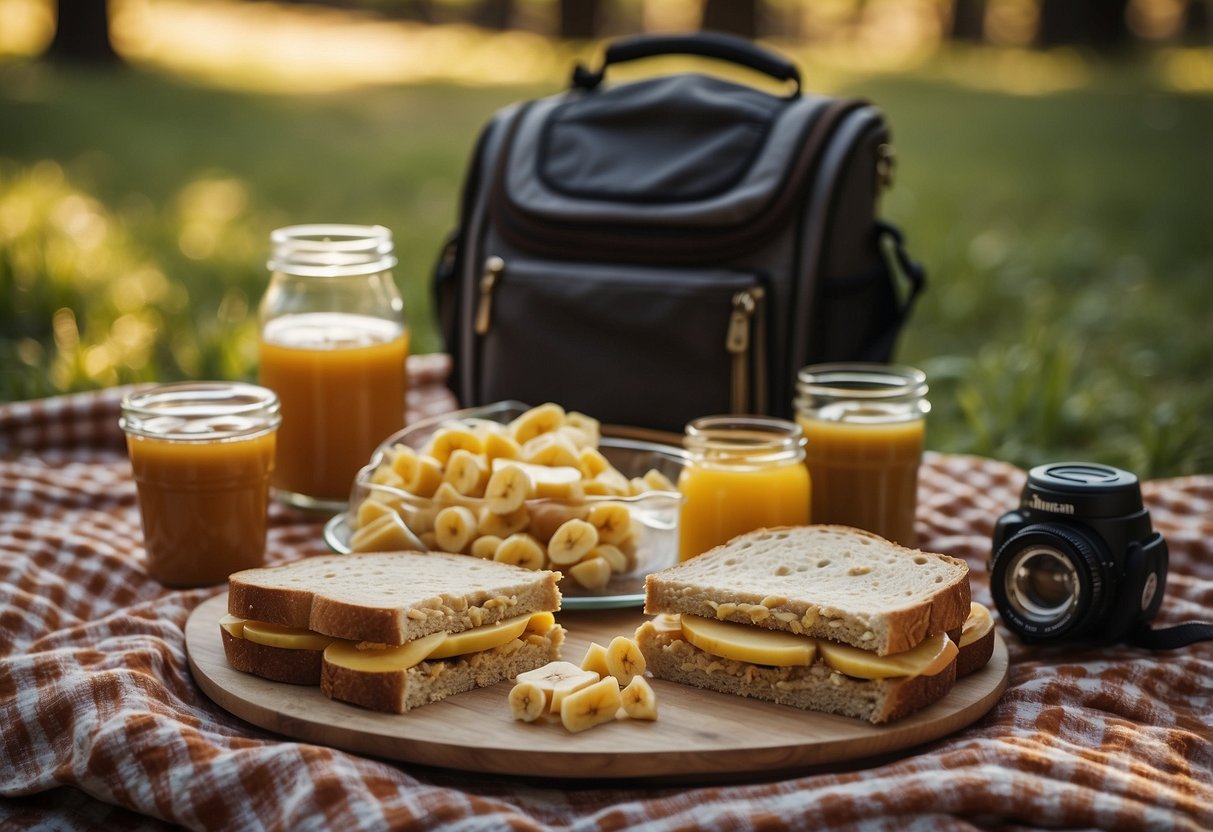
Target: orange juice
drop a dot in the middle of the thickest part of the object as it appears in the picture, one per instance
(865, 474)
(202, 454)
(341, 380)
(725, 501)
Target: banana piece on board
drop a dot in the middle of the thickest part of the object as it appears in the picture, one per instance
(624, 660)
(527, 701)
(639, 700)
(591, 706)
(557, 680)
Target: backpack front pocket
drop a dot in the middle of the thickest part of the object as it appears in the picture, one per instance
(626, 345)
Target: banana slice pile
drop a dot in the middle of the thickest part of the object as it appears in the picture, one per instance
(609, 685)
(511, 492)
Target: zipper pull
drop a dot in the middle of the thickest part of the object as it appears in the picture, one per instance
(738, 339)
(493, 267)
(737, 342)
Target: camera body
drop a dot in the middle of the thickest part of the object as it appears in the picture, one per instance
(1079, 559)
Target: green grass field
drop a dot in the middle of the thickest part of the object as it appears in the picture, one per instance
(1069, 236)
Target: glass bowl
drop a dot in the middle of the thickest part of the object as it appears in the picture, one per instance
(654, 513)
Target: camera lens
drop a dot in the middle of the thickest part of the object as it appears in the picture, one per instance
(1050, 581)
(1043, 583)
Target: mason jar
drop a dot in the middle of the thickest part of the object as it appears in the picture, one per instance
(201, 454)
(743, 473)
(333, 347)
(864, 426)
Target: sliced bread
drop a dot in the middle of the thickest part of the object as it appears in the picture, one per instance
(400, 691)
(390, 598)
(831, 582)
(815, 687)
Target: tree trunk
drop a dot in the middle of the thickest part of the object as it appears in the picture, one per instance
(1099, 24)
(737, 17)
(968, 21)
(579, 19)
(82, 33)
(494, 14)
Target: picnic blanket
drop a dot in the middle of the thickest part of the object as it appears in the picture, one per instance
(103, 726)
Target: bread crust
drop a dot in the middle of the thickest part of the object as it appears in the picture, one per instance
(816, 687)
(975, 655)
(702, 586)
(401, 691)
(279, 664)
(377, 597)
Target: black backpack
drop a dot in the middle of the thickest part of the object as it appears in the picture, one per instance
(674, 247)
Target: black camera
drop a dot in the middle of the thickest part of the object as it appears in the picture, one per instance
(1079, 559)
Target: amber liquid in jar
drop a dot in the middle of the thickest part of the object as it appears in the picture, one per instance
(864, 427)
(744, 473)
(201, 455)
(341, 381)
(333, 347)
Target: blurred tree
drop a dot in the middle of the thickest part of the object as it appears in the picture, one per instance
(737, 17)
(968, 20)
(82, 33)
(579, 18)
(1099, 24)
(494, 14)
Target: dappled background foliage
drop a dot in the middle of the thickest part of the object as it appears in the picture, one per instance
(1057, 188)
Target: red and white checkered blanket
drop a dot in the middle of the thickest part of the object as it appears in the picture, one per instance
(103, 726)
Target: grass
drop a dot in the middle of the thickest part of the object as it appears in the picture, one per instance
(1066, 233)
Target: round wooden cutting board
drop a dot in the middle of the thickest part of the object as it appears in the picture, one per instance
(697, 733)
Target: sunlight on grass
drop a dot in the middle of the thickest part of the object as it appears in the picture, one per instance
(267, 47)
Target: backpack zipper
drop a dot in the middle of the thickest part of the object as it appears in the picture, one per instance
(493, 268)
(746, 336)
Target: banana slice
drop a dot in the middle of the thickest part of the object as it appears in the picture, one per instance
(591, 706)
(448, 439)
(385, 534)
(527, 701)
(384, 475)
(639, 701)
(427, 476)
(578, 437)
(658, 481)
(612, 520)
(541, 623)
(467, 472)
(371, 510)
(614, 483)
(591, 462)
(553, 450)
(507, 489)
(521, 550)
(571, 541)
(613, 555)
(595, 660)
(538, 420)
(447, 495)
(557, 680)
(588, 425)
(404, 461)
(593, 574)
(454, 528)
(624, 659)
(485, 546)
(500, 446)
(504, 525)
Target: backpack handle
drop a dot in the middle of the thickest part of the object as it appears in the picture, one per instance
(706, 44)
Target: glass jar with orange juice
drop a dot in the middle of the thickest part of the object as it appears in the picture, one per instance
(742, 473)
(201, 453)
(333, 347)
(864, 426)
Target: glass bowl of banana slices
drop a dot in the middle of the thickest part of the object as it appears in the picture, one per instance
(539, 487)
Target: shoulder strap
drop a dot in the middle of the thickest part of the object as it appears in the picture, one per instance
(1169, 638)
